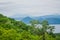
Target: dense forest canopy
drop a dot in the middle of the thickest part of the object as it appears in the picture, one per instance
(10, 29)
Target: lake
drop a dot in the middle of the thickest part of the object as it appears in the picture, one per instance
(57, 28)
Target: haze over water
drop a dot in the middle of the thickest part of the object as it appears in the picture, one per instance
(57, 28)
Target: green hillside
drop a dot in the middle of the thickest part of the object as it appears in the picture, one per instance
(10, 29)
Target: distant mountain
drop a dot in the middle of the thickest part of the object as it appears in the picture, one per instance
(27, 19)
(52, 19)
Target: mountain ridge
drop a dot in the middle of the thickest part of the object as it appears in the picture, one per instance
(52, 19)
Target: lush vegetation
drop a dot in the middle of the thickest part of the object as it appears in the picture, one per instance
(11, 29)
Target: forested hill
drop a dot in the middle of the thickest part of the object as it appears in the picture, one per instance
(10, 29)
(10, 22)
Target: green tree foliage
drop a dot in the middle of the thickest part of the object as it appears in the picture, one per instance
(10, 29)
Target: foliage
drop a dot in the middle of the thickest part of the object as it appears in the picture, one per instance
(10, 29)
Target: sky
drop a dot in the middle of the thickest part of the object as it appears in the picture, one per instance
(29, 7)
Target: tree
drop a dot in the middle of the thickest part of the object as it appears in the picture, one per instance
(34, 22)
(45, 28)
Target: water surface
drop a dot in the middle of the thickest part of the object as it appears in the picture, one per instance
(57, 28)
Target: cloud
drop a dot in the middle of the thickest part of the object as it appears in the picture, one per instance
(29, 7)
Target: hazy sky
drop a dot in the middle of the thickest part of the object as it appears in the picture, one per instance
(29, 7)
